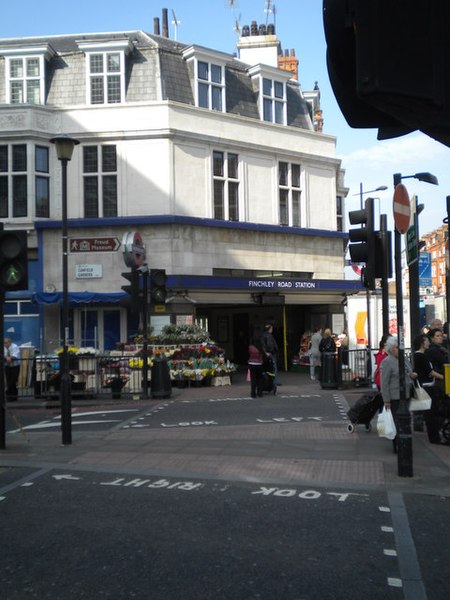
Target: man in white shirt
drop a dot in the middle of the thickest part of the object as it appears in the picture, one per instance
(12, 368)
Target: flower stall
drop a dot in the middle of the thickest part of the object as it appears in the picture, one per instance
(193, 360)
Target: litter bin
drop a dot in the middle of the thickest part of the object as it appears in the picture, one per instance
(328, 379)
(161, 386)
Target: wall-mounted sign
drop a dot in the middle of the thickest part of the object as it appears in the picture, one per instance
(133, 249)
(99, 244)
(88, 271)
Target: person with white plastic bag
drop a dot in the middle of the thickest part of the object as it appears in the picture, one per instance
(427, 378)
(390, 385)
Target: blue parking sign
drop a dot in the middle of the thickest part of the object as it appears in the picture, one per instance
(425, 279)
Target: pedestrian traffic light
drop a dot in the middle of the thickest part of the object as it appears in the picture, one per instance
(363, 247)
(13, 260)
(133, 290)
(158, 280)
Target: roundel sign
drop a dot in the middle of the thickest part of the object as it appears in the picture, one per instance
(402, 208)
(133, 249)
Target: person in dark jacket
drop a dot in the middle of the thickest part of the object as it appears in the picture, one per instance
(426, 377)
(270, 347)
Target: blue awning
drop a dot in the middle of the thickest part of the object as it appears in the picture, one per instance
(79, 298)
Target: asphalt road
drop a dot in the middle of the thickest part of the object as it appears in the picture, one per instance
(101, 535)
(109, 532)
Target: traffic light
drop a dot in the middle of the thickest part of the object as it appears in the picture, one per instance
(383, 255)
(133, 289)
(389, 64)
(158, 280)
(13, 260)
(363, 246)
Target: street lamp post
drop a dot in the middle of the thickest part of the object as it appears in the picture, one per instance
(380, 188)
(404, 457)
(414, 284)
(64, 148)
(447, 270)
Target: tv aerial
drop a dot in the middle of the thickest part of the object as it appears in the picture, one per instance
(175, 24)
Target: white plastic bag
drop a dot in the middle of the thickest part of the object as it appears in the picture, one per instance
(421, 399)
(385, 424)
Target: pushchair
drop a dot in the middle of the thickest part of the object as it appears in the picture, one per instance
(268, 376)
(363, 411)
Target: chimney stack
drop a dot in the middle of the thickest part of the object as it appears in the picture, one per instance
(156, 30)
(165, 23)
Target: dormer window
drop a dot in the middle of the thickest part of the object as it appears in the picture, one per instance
(105, 78)
(273, 101)
(105, 71)
(271, 85)
(208, 68)
(24, 80)
(25, 74)
(210, 85)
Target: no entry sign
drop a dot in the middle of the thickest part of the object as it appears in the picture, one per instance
(402, 208)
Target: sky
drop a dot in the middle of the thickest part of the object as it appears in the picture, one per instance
(299, 25)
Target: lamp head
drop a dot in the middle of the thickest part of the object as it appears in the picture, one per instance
(64, 146)
(427, 178)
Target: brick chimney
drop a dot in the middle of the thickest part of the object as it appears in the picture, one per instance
(288, 62)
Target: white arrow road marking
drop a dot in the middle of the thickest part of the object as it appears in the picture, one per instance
(47, 425)
(100, 412)
(59, 477)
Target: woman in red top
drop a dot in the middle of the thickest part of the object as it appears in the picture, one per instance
(255, 364)
(379, 357)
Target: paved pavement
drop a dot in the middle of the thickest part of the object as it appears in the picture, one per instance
(301, 453)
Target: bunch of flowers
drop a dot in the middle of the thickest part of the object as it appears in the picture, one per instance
(70, 350)
(183, 334)
(137, 362)
(87, 351)
(196, 352)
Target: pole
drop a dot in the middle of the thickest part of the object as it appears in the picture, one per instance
(2, 375)
(145, 334)
(447, 272)
(369, 340)
(404, 436)
(414, 296)
(369, 335)
(65, 399)
(285, 359)
(386, 268)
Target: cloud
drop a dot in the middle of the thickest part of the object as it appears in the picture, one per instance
(415, 148)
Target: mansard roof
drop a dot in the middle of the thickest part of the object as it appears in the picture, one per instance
(164, 57)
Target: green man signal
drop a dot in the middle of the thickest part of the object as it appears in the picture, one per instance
(13, 260)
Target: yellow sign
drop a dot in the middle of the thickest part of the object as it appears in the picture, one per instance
(159, 308)
(447, 378)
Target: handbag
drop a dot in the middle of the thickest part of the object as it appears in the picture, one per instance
(385, 424)
(421, 399)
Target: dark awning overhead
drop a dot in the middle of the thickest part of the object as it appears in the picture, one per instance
(79, 298)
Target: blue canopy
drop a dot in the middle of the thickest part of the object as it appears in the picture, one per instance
(79, 297)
